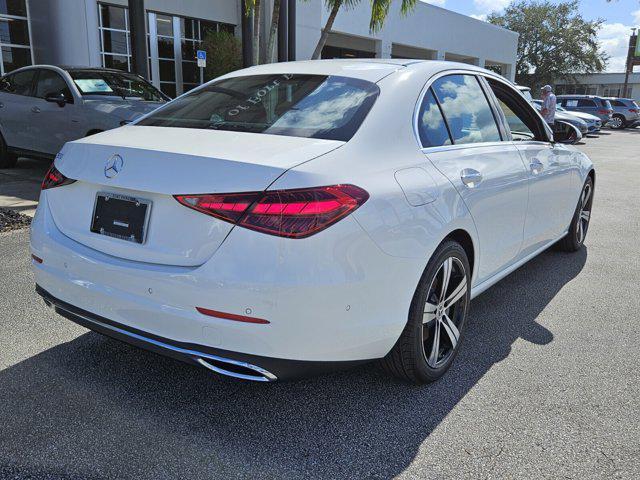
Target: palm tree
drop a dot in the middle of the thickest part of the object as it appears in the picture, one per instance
(379, 12)
(273, 33)
(254, 7)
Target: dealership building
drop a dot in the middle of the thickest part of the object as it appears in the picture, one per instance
(97, 33)
(602, 84)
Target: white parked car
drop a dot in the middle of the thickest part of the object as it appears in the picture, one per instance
(291, 218)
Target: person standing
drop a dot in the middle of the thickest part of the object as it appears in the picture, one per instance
(548, 105)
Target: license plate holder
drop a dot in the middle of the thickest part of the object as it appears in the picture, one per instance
(121, 216)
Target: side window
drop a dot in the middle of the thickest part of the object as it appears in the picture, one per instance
(616, 103)
(51, 83)
(431, 127)
(466, 109)
(19, 83)
(524, 123)
(570, 103)
(586, 103)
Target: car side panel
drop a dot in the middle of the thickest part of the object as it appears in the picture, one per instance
(16, 116)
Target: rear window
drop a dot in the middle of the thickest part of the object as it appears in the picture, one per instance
(310, 106)
(606, 104)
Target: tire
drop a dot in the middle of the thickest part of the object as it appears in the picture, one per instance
(574, 239)
(618, 122)
(7, 159)
(413, 357)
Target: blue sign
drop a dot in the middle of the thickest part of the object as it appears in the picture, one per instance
(202, 55)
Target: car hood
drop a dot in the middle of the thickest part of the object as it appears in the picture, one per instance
(584, 116)
(127, 109)
(569, 118)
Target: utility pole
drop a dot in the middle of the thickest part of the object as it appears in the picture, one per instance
(283, 36)
(247, 36)
(629, 65)
(291, 30)
(137, 27)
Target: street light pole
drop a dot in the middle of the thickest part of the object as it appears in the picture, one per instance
(247, 36)
(137, 27)
(629, 65)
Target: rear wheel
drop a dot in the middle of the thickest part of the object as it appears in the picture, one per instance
(574, 239)
(7, 159)
(431, 339)
(618, 122)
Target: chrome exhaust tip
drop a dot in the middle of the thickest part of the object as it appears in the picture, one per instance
(236, 369)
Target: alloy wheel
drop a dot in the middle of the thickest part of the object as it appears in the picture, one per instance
(444, 312)
(585, 213)
(616, 122)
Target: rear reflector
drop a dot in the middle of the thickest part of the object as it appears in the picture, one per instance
(231, 316)
(53, 178)
(296, 213)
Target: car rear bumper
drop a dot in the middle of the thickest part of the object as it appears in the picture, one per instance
(333, 306)
(231, 364)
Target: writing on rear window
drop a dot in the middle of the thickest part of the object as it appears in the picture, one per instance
(311, 106)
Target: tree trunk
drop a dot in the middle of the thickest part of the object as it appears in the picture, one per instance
(273, 33)
(325, 31)
(256, 32)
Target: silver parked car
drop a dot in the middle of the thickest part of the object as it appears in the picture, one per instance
(594, 124)
(43, 106)
(626, 113)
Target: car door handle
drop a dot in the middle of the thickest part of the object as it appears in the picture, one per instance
(536, 166)
(470, 177)
(35, 109)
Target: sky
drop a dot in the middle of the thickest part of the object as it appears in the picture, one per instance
(618, 15)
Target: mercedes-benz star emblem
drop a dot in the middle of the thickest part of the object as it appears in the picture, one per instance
(113, 166)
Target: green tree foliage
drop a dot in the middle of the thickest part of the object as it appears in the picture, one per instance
(555, 40)
(224, 53)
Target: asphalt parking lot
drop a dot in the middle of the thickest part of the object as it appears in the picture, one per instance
(547, 384)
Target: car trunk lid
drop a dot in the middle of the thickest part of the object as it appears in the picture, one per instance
(158, 163)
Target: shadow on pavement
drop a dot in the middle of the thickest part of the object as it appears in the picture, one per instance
(93, 406)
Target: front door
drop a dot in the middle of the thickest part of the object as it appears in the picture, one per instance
(54, 124)
(16, 104)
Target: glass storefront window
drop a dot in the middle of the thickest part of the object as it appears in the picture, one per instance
(115, 44)
(15, 42)
(16, 8)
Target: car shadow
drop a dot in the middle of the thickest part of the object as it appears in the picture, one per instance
(95, 405)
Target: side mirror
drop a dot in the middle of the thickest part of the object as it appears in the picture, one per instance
(60, 99)
(564, 132)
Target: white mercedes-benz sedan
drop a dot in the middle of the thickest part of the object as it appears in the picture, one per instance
(293, 218)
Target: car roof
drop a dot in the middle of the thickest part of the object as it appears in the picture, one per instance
(371, 69)
(581, 96)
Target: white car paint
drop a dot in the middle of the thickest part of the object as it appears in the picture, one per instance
(342, 294)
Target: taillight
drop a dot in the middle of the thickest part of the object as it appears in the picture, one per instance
(296, 213)
(605, 112)
(633, 110)
(54, 178)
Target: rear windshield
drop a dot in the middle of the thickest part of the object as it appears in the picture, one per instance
(125, 85)
(606, 104)
(311, 106)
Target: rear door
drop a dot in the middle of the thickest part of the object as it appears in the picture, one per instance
(16, 102)
(54, 124)
(485, 169)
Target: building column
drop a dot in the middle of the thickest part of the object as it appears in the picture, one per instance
(138, 26)
(383, 48)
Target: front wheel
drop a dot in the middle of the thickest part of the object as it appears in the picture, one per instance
(7, 159)
(574, 239)
(431, 338)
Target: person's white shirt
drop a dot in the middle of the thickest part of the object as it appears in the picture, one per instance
(549, 108)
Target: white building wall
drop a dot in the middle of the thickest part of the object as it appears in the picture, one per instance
(66, 31)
